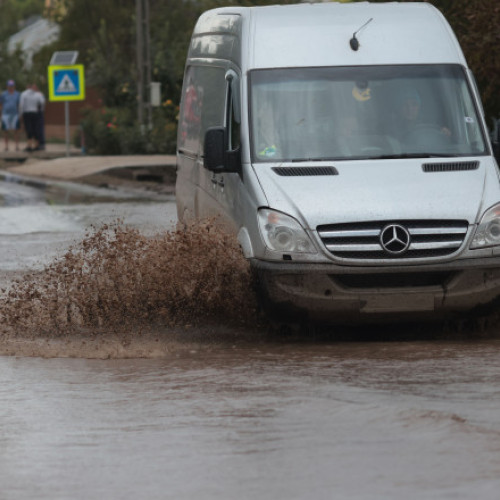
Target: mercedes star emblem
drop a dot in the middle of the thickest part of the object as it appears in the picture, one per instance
(395, 239)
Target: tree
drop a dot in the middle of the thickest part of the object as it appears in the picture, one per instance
(13, 12)
(477, 25)
(103, 33)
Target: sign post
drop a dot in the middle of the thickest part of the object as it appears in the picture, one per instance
(66, 83)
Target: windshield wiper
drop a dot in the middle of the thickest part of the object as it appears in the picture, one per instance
(415, 155)
(379, 157)
(336, 158)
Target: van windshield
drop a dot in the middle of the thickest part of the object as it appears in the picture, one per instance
(306, 114)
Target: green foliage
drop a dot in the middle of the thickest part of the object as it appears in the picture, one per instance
(11, 66)
(99, 129)
(477, 25)
(114, 131)
(12, 14)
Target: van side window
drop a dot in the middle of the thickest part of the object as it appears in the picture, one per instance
(231, 120)
(202, 106)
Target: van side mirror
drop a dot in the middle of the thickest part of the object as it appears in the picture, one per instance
(216, 156)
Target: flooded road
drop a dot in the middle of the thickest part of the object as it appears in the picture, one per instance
(226, 413)
(230, 420)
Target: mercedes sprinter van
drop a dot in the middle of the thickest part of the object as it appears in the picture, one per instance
(346, 147)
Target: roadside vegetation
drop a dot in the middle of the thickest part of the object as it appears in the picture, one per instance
(104, 33)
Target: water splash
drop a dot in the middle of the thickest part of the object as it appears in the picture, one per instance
(118, 279)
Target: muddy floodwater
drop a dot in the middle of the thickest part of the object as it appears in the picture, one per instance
(268, 421)
(224, 411)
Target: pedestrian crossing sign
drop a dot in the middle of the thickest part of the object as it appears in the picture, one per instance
(66, 83)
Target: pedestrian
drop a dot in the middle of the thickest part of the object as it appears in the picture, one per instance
(40, 122)
(32, 102)
(9, 102)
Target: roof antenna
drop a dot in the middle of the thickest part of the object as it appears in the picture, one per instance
(354, 42)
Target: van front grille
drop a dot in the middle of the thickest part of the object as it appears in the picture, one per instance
(382, 240)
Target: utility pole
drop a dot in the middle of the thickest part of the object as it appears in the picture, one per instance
(143, 63)
(148, 64)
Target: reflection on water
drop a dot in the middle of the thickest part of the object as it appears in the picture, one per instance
(263, 420)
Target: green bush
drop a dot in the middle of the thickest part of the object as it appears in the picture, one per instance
(114, 131)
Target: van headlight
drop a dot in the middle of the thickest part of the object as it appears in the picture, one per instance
(283, 233)
(488, 230)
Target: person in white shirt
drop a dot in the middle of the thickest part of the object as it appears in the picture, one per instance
(31, 106)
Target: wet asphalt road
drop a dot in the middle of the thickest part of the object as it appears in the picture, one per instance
(225, 416)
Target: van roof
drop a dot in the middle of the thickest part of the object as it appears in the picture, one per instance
(318, 34)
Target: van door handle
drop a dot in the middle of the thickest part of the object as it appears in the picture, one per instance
(221, 182)
(214, 180)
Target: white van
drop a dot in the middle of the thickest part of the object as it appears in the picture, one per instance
(345, 145)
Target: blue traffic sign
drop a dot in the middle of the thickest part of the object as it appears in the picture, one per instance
(66, 83)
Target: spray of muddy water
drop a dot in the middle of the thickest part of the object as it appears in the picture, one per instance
(118, 280)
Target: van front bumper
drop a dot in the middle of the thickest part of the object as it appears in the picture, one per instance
(324, 293)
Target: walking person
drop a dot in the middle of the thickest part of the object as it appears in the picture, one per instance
(9, 102)
(32, 102)
(40, 122)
